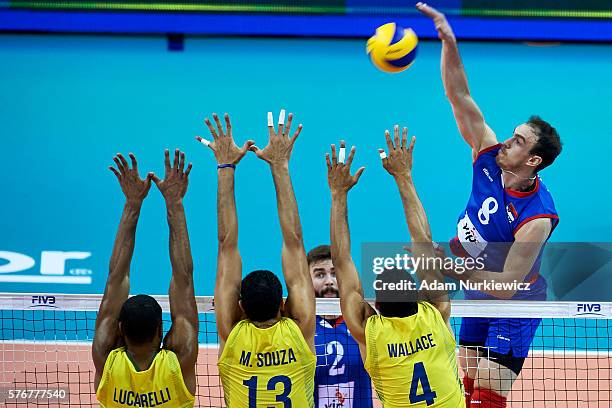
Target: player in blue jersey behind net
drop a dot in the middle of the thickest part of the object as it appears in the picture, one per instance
(341, 381)
(509, 217)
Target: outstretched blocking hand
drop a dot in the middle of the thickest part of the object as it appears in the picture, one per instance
(280, 144)
(174, 185)
(223, 145)
(134, 188)
(339, 173)
(445, 32)
(399, 160)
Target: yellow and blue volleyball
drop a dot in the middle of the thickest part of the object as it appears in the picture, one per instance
(392, 48)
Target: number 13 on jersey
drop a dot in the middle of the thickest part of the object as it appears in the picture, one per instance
(282, 396)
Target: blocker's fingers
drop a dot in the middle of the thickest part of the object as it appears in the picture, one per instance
(111, 168)
(119, 165)
(133, 160)
(123, 161)
(342, 152)
(176, 159)
(329, 166)
(358, 174)
(412, 141)
(288, 127)
(270, 124)
(167, 161)
(213, 132)
(218, 122)
(296, 134)
(389, 142)
(396, 137)
(155, 179)
(334, 158)
(247, 146)
(349, 161)
(182, 162)
(404, 137)
(189, 166)
(228, 124)
(205, 142)
(281, 122)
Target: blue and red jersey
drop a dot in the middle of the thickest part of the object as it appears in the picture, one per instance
(340, 379)
(494, 214)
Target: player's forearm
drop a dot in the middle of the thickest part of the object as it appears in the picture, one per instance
(420, 234)
(288, 214)
(414, 212)
(180, 248)
(453, 73)
(123, 249)
(227, 220)
(346, 273)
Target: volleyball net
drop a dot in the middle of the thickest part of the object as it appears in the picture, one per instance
(45, 351)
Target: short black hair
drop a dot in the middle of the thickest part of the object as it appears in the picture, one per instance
(396, 303)
(140, 317)
(548, 146)
(261, 294)
(320, 253)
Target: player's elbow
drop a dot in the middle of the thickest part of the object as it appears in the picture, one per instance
(456, 96)
(227, 241)
(293, 241)
(505, 294)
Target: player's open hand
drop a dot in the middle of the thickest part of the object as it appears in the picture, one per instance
(338, 172)
(399, 160)
(223, 145)
(134, 188)
(445, 32)
(280, 145)
(174, 185)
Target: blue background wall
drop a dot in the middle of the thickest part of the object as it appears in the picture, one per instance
(69, 103)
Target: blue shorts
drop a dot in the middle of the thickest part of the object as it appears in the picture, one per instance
(499, 335)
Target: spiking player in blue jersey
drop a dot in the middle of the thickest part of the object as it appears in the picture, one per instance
(509, 204)
(341, 381)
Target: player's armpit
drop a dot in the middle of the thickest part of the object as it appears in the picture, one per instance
(487, 140)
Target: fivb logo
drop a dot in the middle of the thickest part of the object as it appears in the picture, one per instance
(43, 301)
(52, 268)
(588, 309)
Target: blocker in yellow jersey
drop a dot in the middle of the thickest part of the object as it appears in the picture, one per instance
(161, 385)
(269, 367)
(412, 360)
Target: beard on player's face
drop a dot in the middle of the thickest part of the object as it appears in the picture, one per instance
(328, 291)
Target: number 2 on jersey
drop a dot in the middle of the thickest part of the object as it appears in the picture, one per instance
(336, 368)
(283, 397)
(419, 375)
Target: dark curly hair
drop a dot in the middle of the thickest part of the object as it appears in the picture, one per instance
(261, 294)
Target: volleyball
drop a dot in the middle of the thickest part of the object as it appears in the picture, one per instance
(392, 48)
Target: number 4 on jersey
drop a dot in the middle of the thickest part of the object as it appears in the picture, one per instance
(419, 375)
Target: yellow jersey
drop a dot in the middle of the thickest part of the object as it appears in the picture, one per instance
(161, 385)
(412, 360)
(271, 367)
